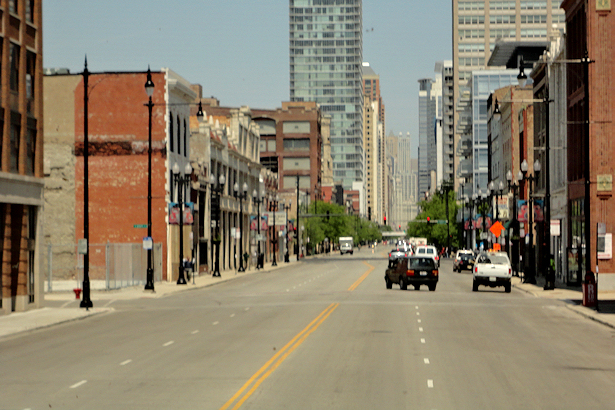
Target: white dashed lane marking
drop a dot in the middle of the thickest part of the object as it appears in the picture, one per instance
(423, 341)
(125, 362)
(426, 360)
(169, 343)
(82, 382)
(194, 332)
(215, 323)
(430, 383)
(233, 315)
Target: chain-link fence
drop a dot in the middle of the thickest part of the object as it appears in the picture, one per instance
(111, 266)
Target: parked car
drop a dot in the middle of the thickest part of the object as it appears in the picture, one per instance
(428, 250)
(412, 270)
(464, 259)
(492, 269)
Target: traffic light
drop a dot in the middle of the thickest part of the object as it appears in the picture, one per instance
(385, 219)
(428, 221)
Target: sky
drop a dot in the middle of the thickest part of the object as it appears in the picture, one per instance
(238, 49)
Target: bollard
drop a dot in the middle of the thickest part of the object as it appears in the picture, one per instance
(589, 290)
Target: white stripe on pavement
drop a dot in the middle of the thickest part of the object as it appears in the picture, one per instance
(74, 386)
(125, 362)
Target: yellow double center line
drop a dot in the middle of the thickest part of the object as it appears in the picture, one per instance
(362, 278)
(278, 358)
(281, 355)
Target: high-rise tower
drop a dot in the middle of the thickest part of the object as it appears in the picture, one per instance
(477, 27)
(326, 55)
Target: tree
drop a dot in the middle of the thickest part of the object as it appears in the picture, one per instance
(435, 209)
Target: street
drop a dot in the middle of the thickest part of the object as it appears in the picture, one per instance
(322, 334)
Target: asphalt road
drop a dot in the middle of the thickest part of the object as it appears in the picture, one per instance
(324, 334)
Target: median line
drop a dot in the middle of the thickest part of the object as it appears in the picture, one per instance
(362, 278)
(277, 359)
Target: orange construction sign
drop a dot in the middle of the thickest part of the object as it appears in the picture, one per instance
(497, 229)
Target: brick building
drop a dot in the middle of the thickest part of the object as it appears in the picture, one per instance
(590, 27)
(21, 155)
(118, 161)
(231, 139)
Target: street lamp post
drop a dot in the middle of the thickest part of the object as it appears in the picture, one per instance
(181, 181)
(86, 302)
(446, 188)
(216, 195)
(514, 253)
(149, 89)
(483, 200)
(241, 196)
(286, 208)
(531, 277)
(273, 207)
(298, 230)
(258, 200)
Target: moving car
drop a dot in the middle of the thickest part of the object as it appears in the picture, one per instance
(464, 259)
(399, 252)
(428, 250)
(412, 270)
(492, 269)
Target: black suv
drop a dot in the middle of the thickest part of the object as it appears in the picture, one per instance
(413, 270)
(463, 260)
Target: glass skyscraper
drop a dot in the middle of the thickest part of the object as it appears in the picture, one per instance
(326, 55)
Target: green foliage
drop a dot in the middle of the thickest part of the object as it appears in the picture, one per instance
(435, 209)
(338, 224)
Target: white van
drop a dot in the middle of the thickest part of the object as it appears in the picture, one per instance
(428, 250)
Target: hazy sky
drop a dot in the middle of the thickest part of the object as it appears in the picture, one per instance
(238, 49)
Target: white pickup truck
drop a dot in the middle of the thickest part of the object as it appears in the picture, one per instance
(346, 244)
(492, 269)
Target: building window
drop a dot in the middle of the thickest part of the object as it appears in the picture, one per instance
(15, 139)
(185, 139)
(30, 146)
(296, 144)
(179, 133)
(13, 6)
(172, 145)
(30, 11)
(296, 127)
(14, 64)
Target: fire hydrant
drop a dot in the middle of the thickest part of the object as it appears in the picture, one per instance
(77, 293)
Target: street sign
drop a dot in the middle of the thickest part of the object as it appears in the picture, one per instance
(140, 226)
(82, 246)
(148, 243)
(496, 229)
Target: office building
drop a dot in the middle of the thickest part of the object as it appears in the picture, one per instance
(477, 27)
(326, 55)
(428, 96)
(21, 156)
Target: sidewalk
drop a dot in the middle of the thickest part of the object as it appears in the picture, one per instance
(19, 322)
(573, 297)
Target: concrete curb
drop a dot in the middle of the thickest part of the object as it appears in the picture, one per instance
(589, 314)
(19, 323)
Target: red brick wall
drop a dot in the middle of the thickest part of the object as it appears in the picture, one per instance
(118, 160)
